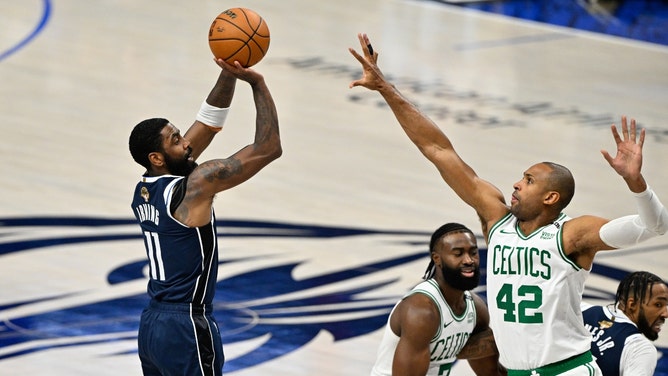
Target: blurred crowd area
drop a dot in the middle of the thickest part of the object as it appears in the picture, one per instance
(645, 20)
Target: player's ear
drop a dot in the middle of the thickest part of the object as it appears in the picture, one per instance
(437, 259)
(632, 307)
(551, 198)
(156, 158)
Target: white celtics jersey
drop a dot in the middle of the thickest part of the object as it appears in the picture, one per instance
(534, 293)
(452, 334)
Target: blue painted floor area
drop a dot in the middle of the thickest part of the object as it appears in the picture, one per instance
(645, 20)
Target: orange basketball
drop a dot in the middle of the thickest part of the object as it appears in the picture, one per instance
(239, 34)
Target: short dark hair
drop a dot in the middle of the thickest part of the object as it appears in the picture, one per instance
(440, 232)
(562, 181)
(635, 285)
(145, 139)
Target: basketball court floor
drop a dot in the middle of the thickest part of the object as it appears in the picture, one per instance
(317, 247)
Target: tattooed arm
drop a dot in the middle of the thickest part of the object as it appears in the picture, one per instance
(479, 345)
(480, 349)
(199, 134)
(217, 175)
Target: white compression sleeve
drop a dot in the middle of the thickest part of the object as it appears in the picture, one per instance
(212, 116)
(651, 221)
(652, 212)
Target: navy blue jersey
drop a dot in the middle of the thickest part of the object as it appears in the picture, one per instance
(183, 261)
(608, 338)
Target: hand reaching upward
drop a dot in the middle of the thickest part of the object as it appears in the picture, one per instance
(372, 77)
(628, 160)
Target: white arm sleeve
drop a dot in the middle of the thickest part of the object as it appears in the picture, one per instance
(211, 115)
(638, 358)
(651, 221)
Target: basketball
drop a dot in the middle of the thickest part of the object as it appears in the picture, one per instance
(239, 34)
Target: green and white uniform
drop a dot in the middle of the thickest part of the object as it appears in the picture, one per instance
(534, 292)
(452, 334)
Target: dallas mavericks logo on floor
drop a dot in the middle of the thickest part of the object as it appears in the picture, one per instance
(259, 300)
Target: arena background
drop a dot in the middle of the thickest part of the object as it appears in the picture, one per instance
(317, 247)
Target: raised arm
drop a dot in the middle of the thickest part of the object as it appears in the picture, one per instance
(587, 235)
(217, 175)
(485, 198)
(212, 113)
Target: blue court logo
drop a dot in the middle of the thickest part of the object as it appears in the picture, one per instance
(263, 304)
(260, 298)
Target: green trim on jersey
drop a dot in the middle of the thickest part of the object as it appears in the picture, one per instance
(560, 239)
(498, 224)
(438, 306)
(560, 247)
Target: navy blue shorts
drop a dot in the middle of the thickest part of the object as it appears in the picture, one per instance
(179, 339)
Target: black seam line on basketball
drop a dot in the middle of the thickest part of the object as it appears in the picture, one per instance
(230, 38)
(240, 40)
(257, 45)
(249, 23)
(251, 37)
(219, 39)
(240, 29)
(245, 44)
(238, 50)
(261, 36)
(248, 59)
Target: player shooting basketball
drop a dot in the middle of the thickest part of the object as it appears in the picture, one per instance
(173, 205)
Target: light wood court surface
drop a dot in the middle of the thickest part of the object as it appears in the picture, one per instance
(510, 93)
